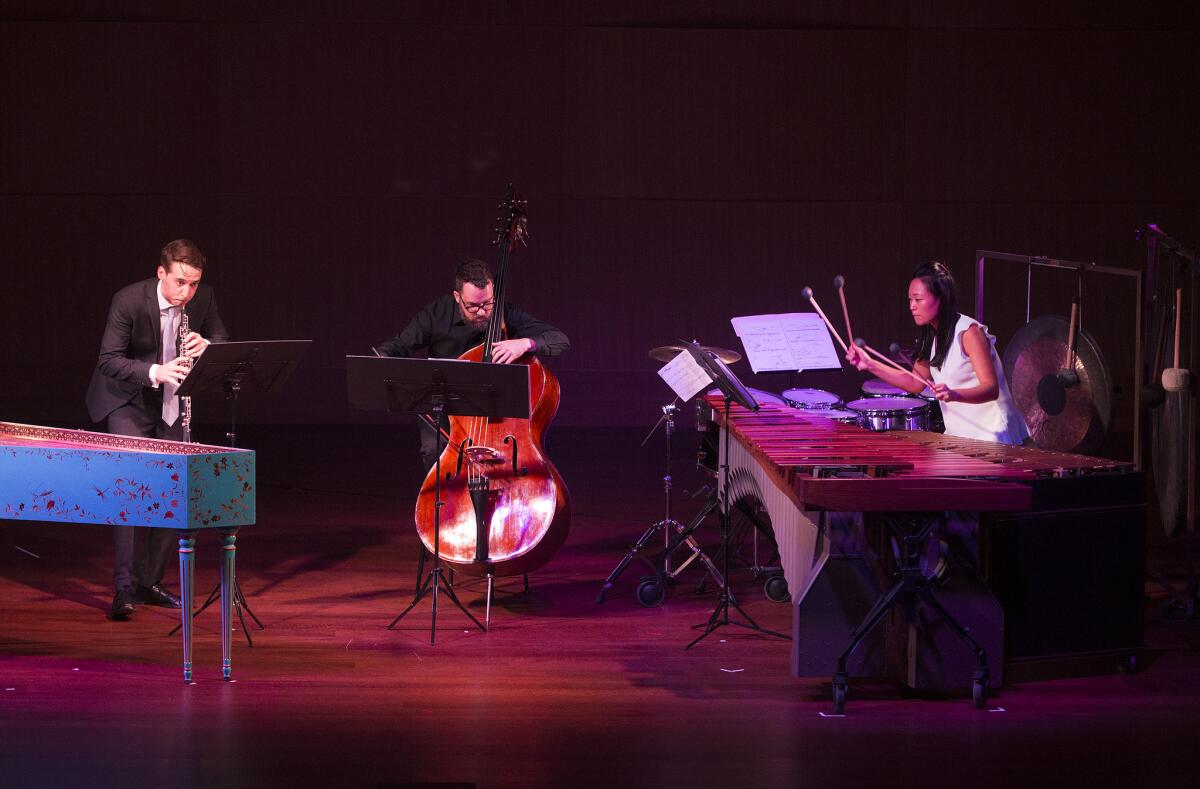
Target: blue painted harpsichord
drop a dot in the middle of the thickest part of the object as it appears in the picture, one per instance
(76, 476)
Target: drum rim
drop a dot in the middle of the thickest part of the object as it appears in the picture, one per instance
(925, 394)
(798, 403)
(922, 405)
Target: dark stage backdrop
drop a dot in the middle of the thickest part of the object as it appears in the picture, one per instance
(684, 162)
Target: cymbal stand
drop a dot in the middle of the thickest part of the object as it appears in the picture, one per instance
(720, 614)
(434, 580)
(651, 595)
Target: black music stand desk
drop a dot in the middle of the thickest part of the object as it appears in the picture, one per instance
(443, 387)
(231, 368)
(733, 390)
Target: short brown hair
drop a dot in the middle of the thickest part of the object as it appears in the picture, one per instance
(181, 251)
(474, 271)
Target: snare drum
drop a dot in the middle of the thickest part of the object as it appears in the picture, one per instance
(874, 387)
(811, 398)
(891, 413)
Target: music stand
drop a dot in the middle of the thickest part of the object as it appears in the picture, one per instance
(250, 366)
(733, 391)
(447, 387)
(231, 368)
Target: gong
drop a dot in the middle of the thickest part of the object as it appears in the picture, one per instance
(1067, 406)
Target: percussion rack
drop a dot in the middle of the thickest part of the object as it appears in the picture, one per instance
(982, 256)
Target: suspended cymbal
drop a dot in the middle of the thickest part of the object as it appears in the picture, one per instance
(1068, 410)
(665, 353)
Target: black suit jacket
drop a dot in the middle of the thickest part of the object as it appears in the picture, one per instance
(133, 339)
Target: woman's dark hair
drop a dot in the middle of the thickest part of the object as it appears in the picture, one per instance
(940, 284)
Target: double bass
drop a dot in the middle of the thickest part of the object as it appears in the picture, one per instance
(505, 508)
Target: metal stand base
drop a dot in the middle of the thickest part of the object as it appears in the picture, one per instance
(239, 604)
(651, 591)
(910, 588)
(667, 527)
(720, 618)
(433, 582)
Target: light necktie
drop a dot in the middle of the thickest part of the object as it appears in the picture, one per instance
(170, 336)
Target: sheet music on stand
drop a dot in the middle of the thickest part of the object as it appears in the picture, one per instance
(695, 368)
(786, 342)
(685, 376)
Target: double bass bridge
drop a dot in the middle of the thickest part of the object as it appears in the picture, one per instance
(484, 456)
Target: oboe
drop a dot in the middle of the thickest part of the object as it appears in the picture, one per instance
(185, 403)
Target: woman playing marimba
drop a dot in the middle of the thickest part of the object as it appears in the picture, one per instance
(957, 354)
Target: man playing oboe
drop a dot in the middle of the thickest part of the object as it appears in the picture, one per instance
(142, 361)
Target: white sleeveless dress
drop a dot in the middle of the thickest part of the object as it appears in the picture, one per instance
(998, 420)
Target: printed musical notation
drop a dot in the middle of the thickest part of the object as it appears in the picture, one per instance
(790, 341)
(685, 376)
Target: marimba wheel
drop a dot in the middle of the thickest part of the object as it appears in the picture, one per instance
(979, 690)
(650, 593)
(776, 589)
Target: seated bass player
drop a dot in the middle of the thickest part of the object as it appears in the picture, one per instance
(458, 320)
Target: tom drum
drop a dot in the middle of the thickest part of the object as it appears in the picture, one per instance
(891, 413)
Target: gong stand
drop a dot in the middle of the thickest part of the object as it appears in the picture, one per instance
(1171, 276)
(1081, 270)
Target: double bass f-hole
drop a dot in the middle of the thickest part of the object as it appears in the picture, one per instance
(517, 472)
(462, 451)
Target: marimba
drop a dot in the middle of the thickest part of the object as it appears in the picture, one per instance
(75, 476)
(800, 466)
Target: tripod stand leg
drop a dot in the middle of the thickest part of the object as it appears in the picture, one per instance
(714, 621)
(449, 590)
(708, 563)
(240, 599)
(625, 560)
(433, 584)
(651, 591)
(433, 623)
(416, 599)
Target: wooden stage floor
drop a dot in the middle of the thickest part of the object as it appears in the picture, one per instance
(562, 692)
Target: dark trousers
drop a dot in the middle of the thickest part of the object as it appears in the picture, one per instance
(142, 552)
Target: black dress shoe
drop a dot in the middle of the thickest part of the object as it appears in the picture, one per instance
(122, 606)
(156, 595)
